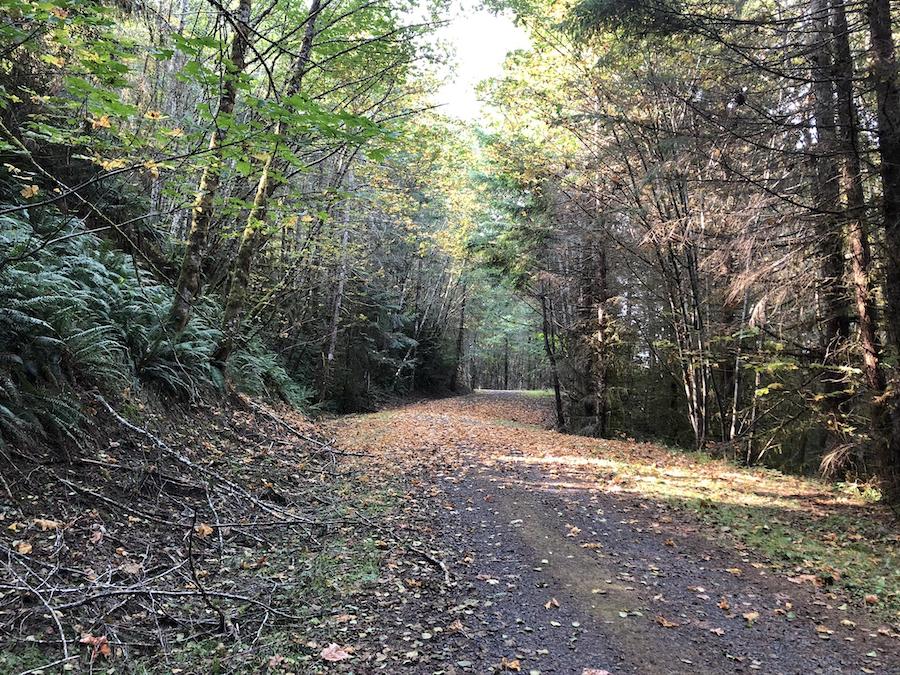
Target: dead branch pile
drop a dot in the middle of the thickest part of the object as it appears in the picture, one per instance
(180, 528)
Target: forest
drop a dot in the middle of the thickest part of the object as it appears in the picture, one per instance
(233, 234)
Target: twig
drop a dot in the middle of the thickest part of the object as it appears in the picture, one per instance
(200, 587)
(434, 561)
(46, 666)
(322, 444)
(54, 615)
(162, 445)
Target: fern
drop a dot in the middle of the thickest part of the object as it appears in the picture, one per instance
(77, 313)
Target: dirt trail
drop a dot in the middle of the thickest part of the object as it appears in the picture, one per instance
(558, 570)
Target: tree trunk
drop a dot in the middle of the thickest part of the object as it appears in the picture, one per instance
(884, 72)
(551, 356)
(460, 337)
(256, 220)
(505, 362)
(189, 278)
(835, 319)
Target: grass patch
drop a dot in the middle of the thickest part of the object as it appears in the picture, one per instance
(811, 532)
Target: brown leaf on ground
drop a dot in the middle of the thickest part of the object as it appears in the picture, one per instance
(99, 645)
(203, 531)
(46, 524)
(665, 623)
(512, 665)
(334, 652)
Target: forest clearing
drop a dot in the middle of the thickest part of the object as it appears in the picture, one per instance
(449, 336)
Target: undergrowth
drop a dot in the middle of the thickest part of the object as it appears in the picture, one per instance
(77, 314)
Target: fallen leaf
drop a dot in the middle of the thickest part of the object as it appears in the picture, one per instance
(871, 599)
(29, 191)
(46, 524)
(510, 664)
(203, 530)
(552, 602)
(724, 604)
(99, 645)
(736, 571)
(665, 623)
(750, 616)
(717, 631)
(334, 652)
(23, 547)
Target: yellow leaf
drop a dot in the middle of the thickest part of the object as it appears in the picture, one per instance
(29, 191)
(23, 547)
(153, 115)
(111, 164)
(101, 122)
(751, 616)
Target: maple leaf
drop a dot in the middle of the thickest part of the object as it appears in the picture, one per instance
(334, 652)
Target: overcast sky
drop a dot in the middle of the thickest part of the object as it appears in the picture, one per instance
(481, 40)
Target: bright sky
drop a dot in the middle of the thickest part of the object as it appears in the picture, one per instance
(480, 41)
